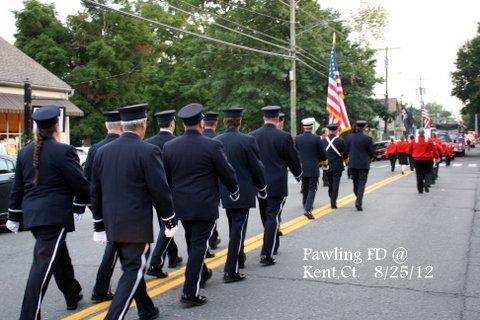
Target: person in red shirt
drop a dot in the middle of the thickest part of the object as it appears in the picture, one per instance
(448, 153)
(392, 153)
(403, 148)
(410, 158)
(438, 145)
(424, 153)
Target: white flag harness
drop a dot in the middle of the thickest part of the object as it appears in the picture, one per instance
(330, 145)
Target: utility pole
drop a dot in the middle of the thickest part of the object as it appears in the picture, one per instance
(293, 72)
(27, 106)
(386, 49)
(421, 91)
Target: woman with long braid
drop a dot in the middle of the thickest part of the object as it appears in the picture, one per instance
(48, 194)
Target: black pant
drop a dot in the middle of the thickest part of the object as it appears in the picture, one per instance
(435, 168)
(214, 237)
(423, 170)
(393, 160)
(271, 240)
(237, 226)
(133, 257)
(197, 236)
(411, 161)
(333, 185)
(309, 189)
(163, 247)
(448, 159)
(324, 179)
(105, 270)
(359, 177)
(50, 256)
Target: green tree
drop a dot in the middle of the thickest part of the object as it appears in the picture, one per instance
(466, 77)
(43, 37)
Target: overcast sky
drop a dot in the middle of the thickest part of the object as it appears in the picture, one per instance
(427, 32)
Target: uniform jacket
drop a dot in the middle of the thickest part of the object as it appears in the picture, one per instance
(423, 149)
(277, 152)
(391, 149)
(311, 152)
(51, 203)
(194, 165)
(335, 161)
(438, 145)
(403, 147)
(127, 178)
(93, 150)
(209, 133)
(243, 154)
(448, 150)
(360, 150)
(161, 138)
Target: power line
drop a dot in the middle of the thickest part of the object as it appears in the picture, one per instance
(262, 14)
(107, 77)
(316, 19)
(312, 60)
(230, 29)
(184, 31)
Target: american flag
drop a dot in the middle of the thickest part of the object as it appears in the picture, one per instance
(337, 113)
(427, 122)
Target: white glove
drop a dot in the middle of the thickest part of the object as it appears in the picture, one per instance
(169, 233)
(77, 216)
(13, 226)
(100, 237)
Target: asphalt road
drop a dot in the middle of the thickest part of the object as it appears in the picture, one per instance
(439, 280)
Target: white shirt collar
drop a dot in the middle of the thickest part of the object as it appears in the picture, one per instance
(165, 130)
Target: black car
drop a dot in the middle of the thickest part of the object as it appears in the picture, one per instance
(7, 175)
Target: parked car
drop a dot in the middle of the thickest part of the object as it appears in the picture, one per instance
(7, 175)
(380, 150)
(82, 154)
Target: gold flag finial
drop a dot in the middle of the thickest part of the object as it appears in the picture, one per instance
(334, 41)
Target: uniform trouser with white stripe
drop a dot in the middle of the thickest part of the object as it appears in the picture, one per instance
(237, 222)
(163, 247)
(197, 236)
(309, 189)
(50, 256)
(133, 257)
(105, 270)
(271, 226)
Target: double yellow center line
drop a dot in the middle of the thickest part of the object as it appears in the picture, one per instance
(176, 278)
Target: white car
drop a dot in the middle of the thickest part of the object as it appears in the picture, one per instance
(82, 154)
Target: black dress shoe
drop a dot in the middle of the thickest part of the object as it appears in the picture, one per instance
(333, 206)
(233, 277)
(156, 272)
(427, 189)
(267, 261)
(205, 277)
(175, 262)
(359, 208)
(73, 303)
(216, 243)
(209, 254)
(309, 215)
(193, 300)
(280, 233)
(153, 315)
(97, 298)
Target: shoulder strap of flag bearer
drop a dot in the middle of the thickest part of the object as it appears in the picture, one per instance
(330, 145)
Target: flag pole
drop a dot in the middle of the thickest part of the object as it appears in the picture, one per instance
(334, 40)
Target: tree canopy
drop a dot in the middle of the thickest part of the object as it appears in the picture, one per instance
(112, 60)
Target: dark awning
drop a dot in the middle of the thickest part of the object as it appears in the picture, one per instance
(13, 103)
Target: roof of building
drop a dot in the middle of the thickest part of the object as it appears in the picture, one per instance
(13, 103)
(16, 67)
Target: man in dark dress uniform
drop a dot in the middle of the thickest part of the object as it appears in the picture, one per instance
(277, 152)
(164, 246)
(101, 289)
(127, 177)
(210, 123)
(335, 151)
(360, 152)
(48, 194)
(243, 154)
(312, 154)
(194, 164)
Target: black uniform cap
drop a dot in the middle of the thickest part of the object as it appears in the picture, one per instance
(281, 116)
(332, 126)
(133, 112)
(164, 117)
(191, 114)
(361, 123)
(112, 116)
(271, 111)
(233, 113)
(211, 116)
(47, 116)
